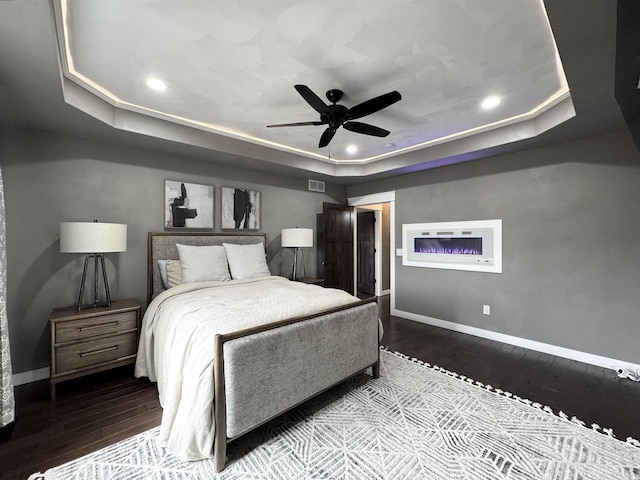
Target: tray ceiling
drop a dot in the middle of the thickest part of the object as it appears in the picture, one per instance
(230, 68)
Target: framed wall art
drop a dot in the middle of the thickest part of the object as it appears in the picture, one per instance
(240, 209)
(187, 205)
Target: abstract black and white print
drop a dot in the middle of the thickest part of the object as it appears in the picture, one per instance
(188, 205)
(240, 209)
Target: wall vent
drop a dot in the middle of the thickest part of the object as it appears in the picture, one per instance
(316, 186)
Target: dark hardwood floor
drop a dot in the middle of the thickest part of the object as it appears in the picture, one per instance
(591, 394)
(93, 412)
(88, 414)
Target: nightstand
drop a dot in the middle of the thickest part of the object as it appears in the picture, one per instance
(92, 340)
(312, 281)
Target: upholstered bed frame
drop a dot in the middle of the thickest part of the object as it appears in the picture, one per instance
(315, 352)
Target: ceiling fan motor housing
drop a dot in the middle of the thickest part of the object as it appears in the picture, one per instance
(334, 115)
(334, 95)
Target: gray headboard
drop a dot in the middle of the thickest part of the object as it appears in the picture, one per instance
(162, 246)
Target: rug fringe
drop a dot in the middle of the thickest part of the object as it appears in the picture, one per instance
(594, 426)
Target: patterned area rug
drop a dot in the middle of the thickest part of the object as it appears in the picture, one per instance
(414, 422)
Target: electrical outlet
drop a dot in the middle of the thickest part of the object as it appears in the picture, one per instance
(486, 309)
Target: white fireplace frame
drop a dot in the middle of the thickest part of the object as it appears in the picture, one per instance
(489, 230)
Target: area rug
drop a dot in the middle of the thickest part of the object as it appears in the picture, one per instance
(415, 422)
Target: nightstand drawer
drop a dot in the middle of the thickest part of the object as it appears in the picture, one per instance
(94, 352)
(91, 327)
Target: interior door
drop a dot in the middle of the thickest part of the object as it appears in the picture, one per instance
(337, 222)
(366, 239)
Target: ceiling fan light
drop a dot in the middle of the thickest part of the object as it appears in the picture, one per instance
(351, 149)
(156, 84)
(490, 102)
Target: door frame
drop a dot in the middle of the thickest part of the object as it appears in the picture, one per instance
(377, 245)
(382, 197)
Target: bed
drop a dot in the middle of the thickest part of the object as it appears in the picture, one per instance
(230, 354)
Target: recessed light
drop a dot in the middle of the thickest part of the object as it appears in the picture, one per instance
(352, 149)
(156, 84)
(490, 102)
(389, 145)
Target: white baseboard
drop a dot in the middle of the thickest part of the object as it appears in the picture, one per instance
(30, 376)
(563, 352)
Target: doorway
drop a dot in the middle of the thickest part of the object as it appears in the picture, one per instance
(383, 204)
(337, 236)
(366, 253)
(373, 256)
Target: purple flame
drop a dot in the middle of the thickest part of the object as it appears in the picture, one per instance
(449, 245)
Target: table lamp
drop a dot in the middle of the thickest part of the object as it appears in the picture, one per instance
(93, 239)
(297, 238)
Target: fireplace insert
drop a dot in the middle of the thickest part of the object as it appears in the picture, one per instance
(473, 245)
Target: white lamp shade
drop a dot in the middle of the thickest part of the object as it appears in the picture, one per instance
(296, 237)
(92, 237)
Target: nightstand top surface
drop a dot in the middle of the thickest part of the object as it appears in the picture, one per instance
(62, 313)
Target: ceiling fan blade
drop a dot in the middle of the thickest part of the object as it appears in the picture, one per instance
(298, 124)
(311, 98)
(366, 129)
(326, 137)
(373, 105)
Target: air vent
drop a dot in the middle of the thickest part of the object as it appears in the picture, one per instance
(316, 186)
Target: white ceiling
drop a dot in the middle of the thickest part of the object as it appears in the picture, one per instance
(230, 68)
(34, 94)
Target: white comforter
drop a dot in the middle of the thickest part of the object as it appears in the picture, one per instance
(176, 345)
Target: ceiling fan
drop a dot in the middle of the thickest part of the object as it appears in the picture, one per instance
(336, 116)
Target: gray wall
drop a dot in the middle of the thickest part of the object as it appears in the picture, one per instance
(571, 224)
(50, 178)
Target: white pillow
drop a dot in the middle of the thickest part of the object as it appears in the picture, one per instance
(162, 266)
(247, 261)
(202, 263)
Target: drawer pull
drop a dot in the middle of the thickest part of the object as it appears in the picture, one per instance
(95, 352)
(102, 325)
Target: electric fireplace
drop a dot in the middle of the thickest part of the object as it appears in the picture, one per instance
(474, 245)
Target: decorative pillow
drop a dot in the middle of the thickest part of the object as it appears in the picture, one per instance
(174, 273)
(246, 261)
(162, 266)
(202, 263)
